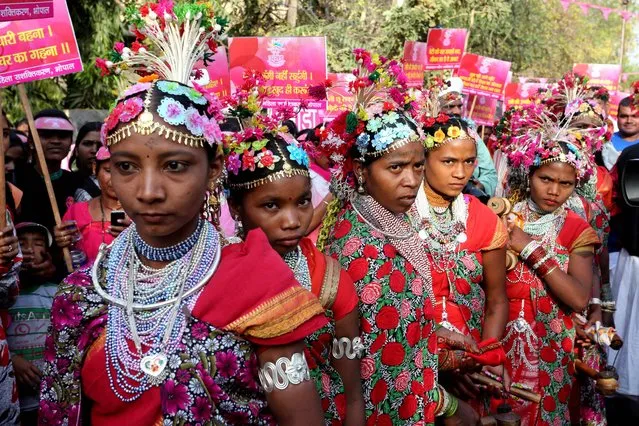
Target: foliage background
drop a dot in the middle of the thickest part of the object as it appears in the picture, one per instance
(537, 36)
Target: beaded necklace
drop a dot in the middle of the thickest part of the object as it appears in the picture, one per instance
(148, 307)
(166, 254)
(299, 265)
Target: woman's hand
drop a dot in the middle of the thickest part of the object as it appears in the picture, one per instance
(66, 233)
(457, 340)
(123, 224)
(500, 371)
(27, 374)
(8, 245)
(518, 238)
(44, 270)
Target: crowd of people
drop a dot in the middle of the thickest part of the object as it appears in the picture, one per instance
(388, 267)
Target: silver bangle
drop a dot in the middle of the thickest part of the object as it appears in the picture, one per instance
(285, 371)
(594, 301)
(528, 249)
(351, 348)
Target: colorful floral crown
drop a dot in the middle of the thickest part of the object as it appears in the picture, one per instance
(439, 128)
(378, 121)
(171, 36)
(263, 150)
(537, 138)
(635, 95)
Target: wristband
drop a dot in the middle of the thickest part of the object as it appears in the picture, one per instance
(594, 301)
(528, 250)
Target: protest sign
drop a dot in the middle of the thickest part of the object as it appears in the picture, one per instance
(613, 103)
(38, 49)
(215, 75)
(289, 64)
(339, 98)
(414, 61)
(483, 76)
(21, 10)
(606, 75)
(483, 112)
(518, 94)
(445, 47)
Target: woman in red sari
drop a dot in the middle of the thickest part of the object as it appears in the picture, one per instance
(271, 191)
(169, 326)
(553, 276)
(465, 245)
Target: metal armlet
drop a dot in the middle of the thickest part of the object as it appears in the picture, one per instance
(351, 348)
(284, 372)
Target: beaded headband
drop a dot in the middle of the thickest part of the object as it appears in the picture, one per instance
(263, 150)
(378, 122)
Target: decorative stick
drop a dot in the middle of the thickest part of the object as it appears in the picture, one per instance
(520, 393)
(3, 184)
(43, 167)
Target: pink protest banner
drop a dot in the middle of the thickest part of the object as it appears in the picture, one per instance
(21, 10)
(483, 76)
(215, 75)
(38, 49)
(484, 109)
(339, 98)
(289, 64)
(613, 103)
(445, 48)
(414, 61)
(518, 94)
(606, 75)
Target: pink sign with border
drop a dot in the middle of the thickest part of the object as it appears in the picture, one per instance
(414, 63)
(606, 75)
(339, 98)
(483, 75)
(518, 94)
(445, 47)
(38, 49)
(484, 110)
(21, 10)
(289, 64)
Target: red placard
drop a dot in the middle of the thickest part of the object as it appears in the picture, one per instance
(289, 64)
(606, 75)
(445, 48)
(21, 10)
(483, 75)
(216, 75)
(339, 98)
(613, 103)
(38, 49)
(518, 94)
(414, 61)
(483, 111)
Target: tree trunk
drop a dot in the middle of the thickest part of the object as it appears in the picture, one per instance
(291, 15)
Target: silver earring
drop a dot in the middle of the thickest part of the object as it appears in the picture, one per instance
(360, 184)
(239, 228)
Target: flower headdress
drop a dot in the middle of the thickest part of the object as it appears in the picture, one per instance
(378, 121)
(262, 150)
(579, 105)
(439, 128)
(171, 36)
(537, 138)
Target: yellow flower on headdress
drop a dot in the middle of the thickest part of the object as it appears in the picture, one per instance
(429, 142)
(148, 78)
(454, 132)
(362, 114)
(375, 59)
(439, 136)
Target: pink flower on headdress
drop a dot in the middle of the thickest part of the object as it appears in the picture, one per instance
(101, 64)
(118, 47)
(248, 160)
(131, 108)
(114, 118)
(195, 122)
(135, 89)
(233, 163)
(397, 95)
(212, 132)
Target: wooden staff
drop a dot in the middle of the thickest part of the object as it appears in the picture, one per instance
(472, 107)
(3, 184)
(520, 393)
(43, 167)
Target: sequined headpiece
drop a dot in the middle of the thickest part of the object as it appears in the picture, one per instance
(378, 122)
(263, 150)
(171, 36)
